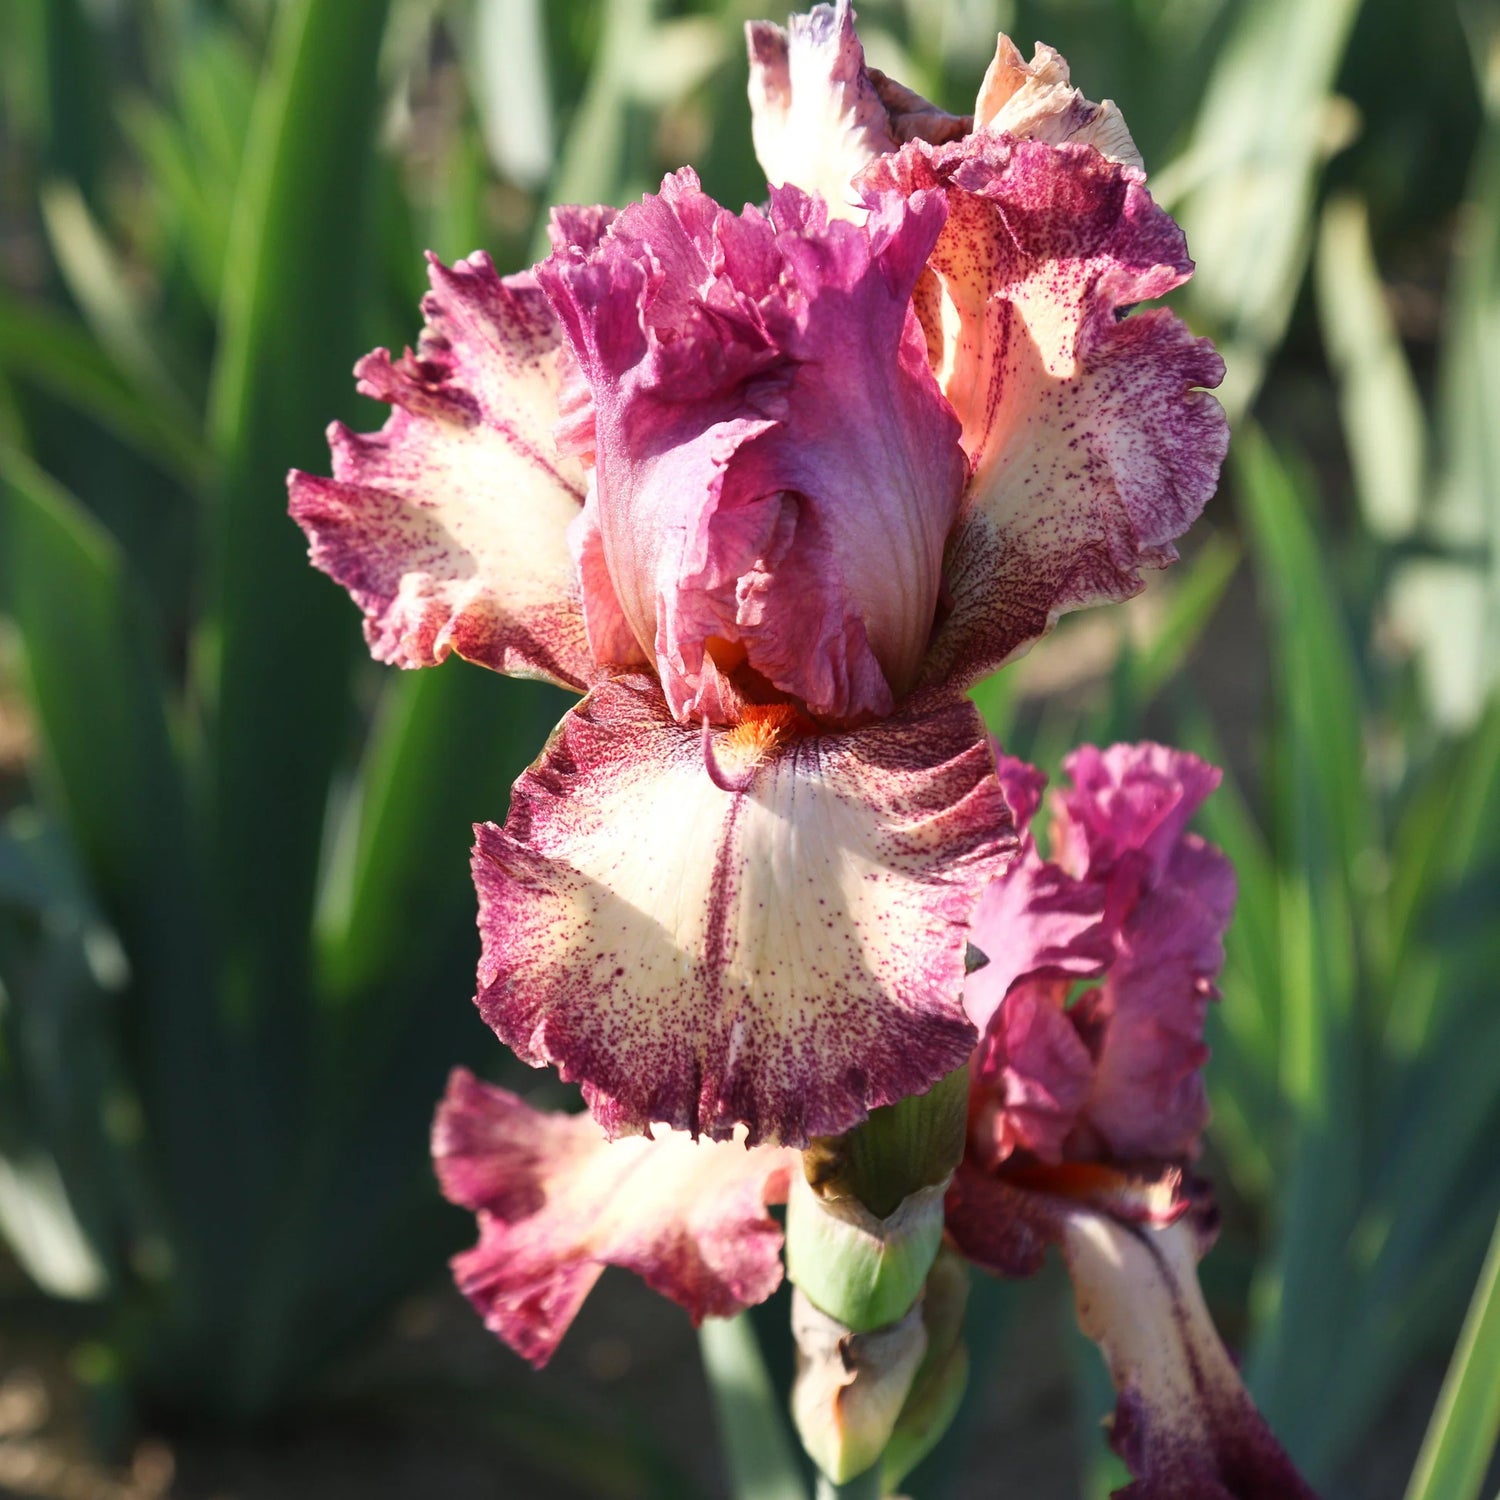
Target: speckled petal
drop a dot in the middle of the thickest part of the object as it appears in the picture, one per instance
(1185, 1425)
(1090, 443)
(777, 472)
(449, 526)
(557, 1202)
(1036, 101)
(818, 114)
(762, 926)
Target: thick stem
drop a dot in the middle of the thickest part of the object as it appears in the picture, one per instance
(864, 1486)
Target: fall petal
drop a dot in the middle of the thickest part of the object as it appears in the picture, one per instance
(776, 470)
(818, 114)
(1185, 1425)
(764, 926)
(557, 1202)
(1090, 443)
(449, 525)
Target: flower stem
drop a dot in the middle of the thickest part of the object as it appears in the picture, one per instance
(864, 1486)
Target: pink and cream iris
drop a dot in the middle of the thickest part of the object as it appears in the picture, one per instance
(1086, 1108)
(773, 489)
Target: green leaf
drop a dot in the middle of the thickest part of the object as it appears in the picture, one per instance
(758, 1450)
(1384, 427)
(279, 639)
(1460, 1442)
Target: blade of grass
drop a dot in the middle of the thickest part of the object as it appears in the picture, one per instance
(1460, 1442)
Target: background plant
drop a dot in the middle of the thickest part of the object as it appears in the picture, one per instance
(235, 921)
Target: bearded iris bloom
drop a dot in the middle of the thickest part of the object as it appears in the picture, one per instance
(772, 489)
(1085, 1115)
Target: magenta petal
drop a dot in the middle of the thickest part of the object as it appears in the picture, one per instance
(768, 929)
(449, 526)
(1127, 798)
(1091, 445)
(776, 470)
(557, 1202)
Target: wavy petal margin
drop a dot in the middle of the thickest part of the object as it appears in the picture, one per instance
(777, 473)
(1185, 1425)
(764, 926)
(557, 1202)
(449, 526)
(1091, 442)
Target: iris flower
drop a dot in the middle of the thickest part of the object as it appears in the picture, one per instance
(772, 489)
(1086, 1110)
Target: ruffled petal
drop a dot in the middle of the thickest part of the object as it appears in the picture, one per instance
(818, 114)
(449, 526)
(1033, 1077)
(1036, 101)
(557, 1202)
(1091, 445)
(776, 470)
(1127, 799)
(765, 926)
(1148, 1098)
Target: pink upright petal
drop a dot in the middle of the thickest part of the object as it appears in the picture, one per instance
(818, 114)
(1127, 798)
(557, 1202)
(1148, 1098)
(449, 526)
(776, 470)
(763, 926)
(1033, 1075)
(1090, 441)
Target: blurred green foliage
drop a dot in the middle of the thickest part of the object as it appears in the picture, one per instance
(235, 921)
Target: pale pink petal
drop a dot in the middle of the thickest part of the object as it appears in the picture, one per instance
(763, 926)
(1091, 445)
(449, 526)
(1036, 101)
(818, 114)
(557, 1202)
(776, 470)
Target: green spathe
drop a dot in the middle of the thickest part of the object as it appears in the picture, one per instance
(863, 1271)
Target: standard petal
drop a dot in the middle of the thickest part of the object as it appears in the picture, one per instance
(1090, 441)
(1147, 1098)
(557, 1202)
(776, 470)
(818, 114)
(449, 526)
(1036, 101)
(771, 933)
(1128, 798)
(1185, 1425)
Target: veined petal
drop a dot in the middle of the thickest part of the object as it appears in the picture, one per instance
(449, 526)
(1185, 1425)
(818, 115)
(1036, 101)
(557, 1202)
(776, 470)
(1090, 443)
(770, 933)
